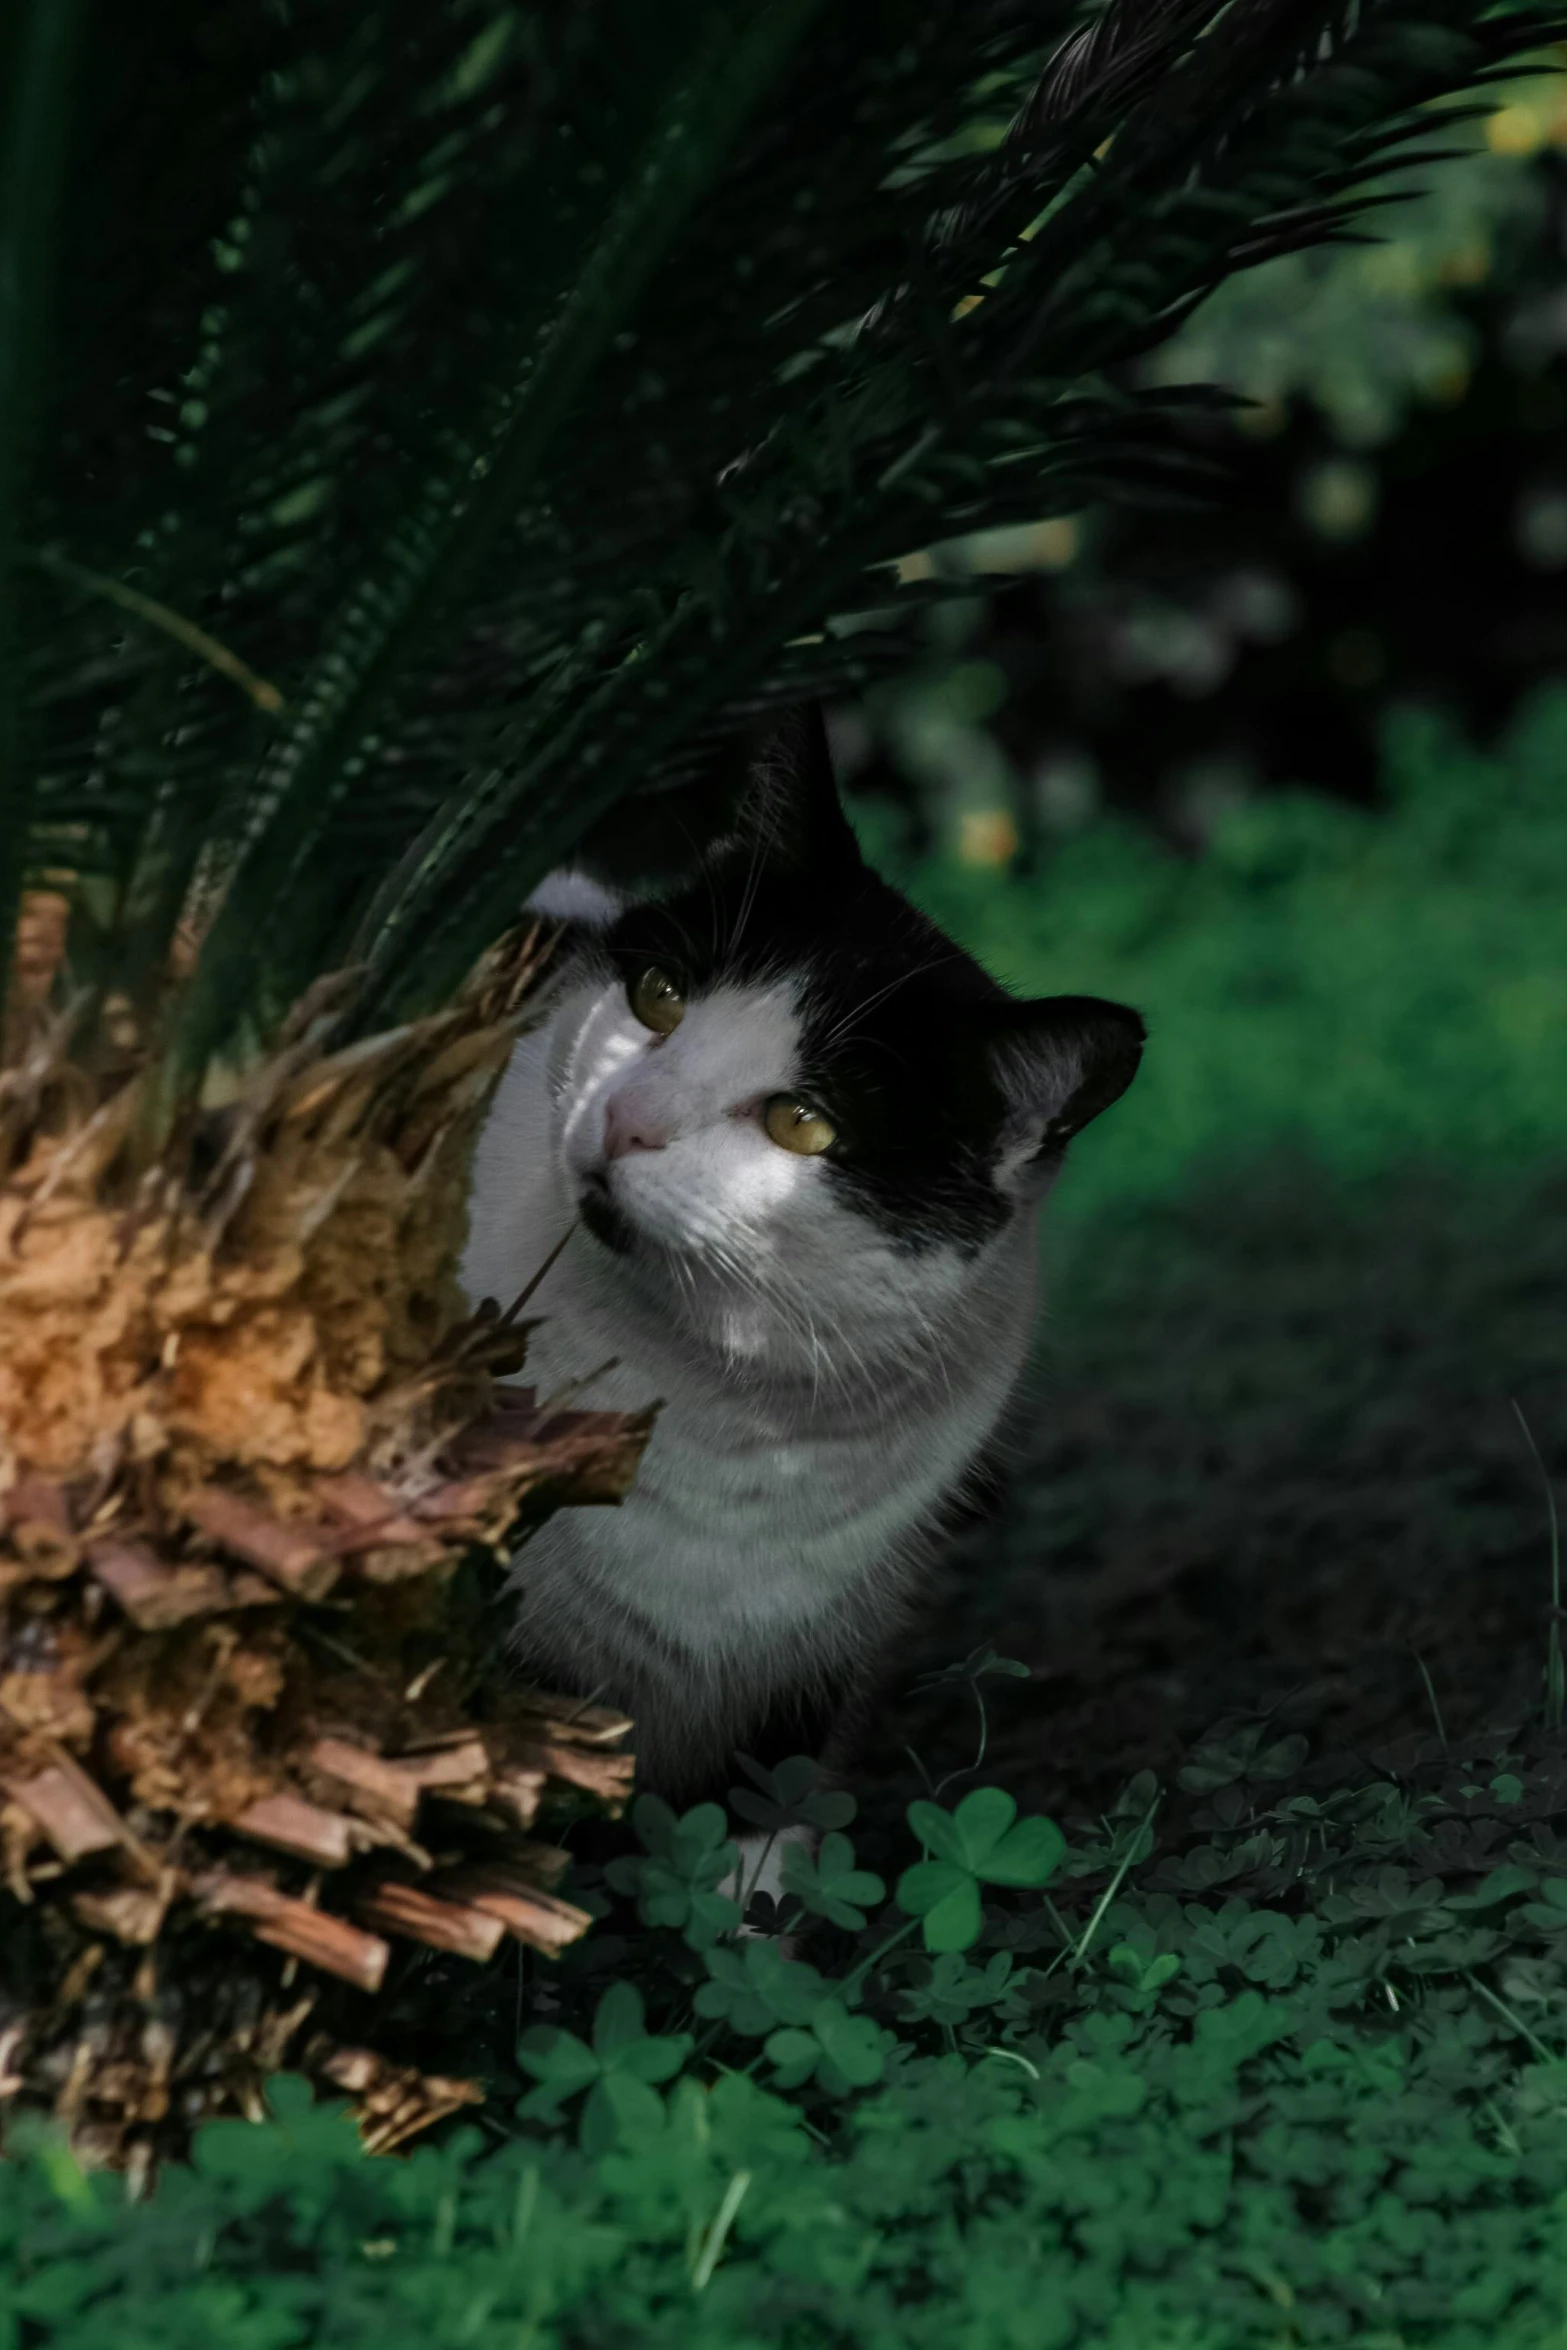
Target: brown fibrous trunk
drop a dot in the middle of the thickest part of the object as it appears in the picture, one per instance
(254, 1447)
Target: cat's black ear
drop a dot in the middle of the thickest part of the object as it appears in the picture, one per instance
(767, 788)
(1059, 1061)
(787, 804)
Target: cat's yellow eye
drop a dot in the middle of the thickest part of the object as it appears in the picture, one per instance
(657, 1001)
(795, 1126)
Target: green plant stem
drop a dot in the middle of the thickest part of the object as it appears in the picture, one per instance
(979, 1753)
(1532, 2039)
(1075, 1957)
(723, 2221)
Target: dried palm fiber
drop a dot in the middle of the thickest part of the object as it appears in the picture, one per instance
(255, 1729)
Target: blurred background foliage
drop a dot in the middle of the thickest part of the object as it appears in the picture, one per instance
(1365, 987)
(1287, 768)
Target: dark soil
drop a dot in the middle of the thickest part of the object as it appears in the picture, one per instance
(1270, 1464)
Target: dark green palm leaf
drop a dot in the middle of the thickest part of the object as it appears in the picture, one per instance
(461, 415)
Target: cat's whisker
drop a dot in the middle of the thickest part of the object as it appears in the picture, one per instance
(748, 895)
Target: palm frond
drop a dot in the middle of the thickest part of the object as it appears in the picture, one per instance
(528, 396)
(608, 228)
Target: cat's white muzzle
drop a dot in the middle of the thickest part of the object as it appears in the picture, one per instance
(662, 1139)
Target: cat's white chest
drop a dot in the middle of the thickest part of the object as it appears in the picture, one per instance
(735, 1528)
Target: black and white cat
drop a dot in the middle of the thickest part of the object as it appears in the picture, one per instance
(805, 1135)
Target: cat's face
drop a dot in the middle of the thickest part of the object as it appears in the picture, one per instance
(785, 1081)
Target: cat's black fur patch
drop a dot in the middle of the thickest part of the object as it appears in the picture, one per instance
(922, 1062)
(603, 1218)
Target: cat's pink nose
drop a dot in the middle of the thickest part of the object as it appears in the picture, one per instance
(626, 1128)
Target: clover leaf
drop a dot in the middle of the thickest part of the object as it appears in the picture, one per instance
(1142, 1975)
(980, 1664)
(1237, 1751)
(755, 1987)
(688, 1858)
(1550, 1911)
(618, 2070)
(727, 2126)
(950, 1990)
(946, 1898)
(1500, 1884)
(982, 1842)
(828, 1884)
(791, 1796)
(838, 2050)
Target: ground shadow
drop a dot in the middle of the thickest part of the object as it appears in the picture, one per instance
(1270, 1461)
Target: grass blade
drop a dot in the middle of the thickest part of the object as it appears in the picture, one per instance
(1555, 1670)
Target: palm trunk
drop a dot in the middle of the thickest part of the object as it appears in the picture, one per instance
(251, 1737)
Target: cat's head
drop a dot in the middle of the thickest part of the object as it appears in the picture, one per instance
(786, 1075)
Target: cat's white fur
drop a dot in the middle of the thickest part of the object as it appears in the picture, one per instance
(822, 1387)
